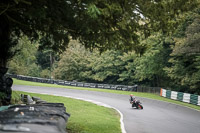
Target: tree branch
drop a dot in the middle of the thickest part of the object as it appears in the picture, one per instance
(5, 9)
(15, 20)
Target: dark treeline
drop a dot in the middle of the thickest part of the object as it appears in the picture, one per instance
(170, 61)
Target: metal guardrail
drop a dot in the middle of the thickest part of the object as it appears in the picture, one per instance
(134, 88)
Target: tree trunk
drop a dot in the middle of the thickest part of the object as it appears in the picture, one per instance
(5, 87)
(5, 54)
(4, 40)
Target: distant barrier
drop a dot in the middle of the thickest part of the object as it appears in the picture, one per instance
(148, 89)
(134, 88)
(180, 96)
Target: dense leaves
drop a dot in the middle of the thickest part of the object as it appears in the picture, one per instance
(185, 69)
(73, 62)
(161, 57)
(117, 67)
(168, 61)
(27, 62)
(24, 62)
(104, 24)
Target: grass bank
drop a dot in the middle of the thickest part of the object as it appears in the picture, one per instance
(85, 117)
(139, 94)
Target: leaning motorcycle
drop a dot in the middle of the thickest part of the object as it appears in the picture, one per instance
(137, 104)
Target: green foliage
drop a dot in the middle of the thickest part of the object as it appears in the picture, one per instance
(29, 61)
(43, 58)
(106, 68)
(45, 74)
(77, 63)
(127, 76)
(24, 62)
(73, 61)
(166, 61)
(47, 58)
(102, 24)
(185, 68)
(16, 98)
(149, 67)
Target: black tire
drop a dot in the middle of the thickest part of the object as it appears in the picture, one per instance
(140, 106)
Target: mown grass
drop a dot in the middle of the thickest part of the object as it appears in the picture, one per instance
(85, 117)
(139, 94)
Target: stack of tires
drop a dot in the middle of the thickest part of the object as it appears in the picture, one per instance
(42, 117)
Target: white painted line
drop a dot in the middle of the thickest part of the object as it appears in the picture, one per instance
(95, 102)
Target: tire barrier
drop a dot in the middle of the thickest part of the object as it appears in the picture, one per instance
(88, 85)
(180, 96)
(41, 117)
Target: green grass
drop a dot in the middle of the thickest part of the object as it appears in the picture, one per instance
(139, 94)
(85, 117)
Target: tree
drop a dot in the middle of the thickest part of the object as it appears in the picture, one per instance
(149, 67)
(24, 62)
(185, 68)
(80, 64)
(73, 61)
(126, 75)
(109, 23)
(102, 24)
(106, 67)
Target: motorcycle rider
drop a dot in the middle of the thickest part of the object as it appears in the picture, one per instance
(132, 100)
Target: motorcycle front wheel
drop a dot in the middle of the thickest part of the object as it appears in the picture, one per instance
(140, 106)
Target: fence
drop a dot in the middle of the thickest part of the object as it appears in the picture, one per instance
(134, 88)
(148, 89)
(180, 96)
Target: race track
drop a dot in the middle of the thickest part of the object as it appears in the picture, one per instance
(156, 117)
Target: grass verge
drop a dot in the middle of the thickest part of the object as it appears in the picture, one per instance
(85, 117)
(139, 94)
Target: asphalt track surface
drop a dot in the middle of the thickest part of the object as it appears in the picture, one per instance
(156, 117)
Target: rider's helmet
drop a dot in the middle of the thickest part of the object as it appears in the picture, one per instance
(131, 95)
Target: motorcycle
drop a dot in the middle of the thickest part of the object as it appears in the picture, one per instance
(137, 104)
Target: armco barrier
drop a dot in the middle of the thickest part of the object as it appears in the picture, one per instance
(90, 85)
(180, 96)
